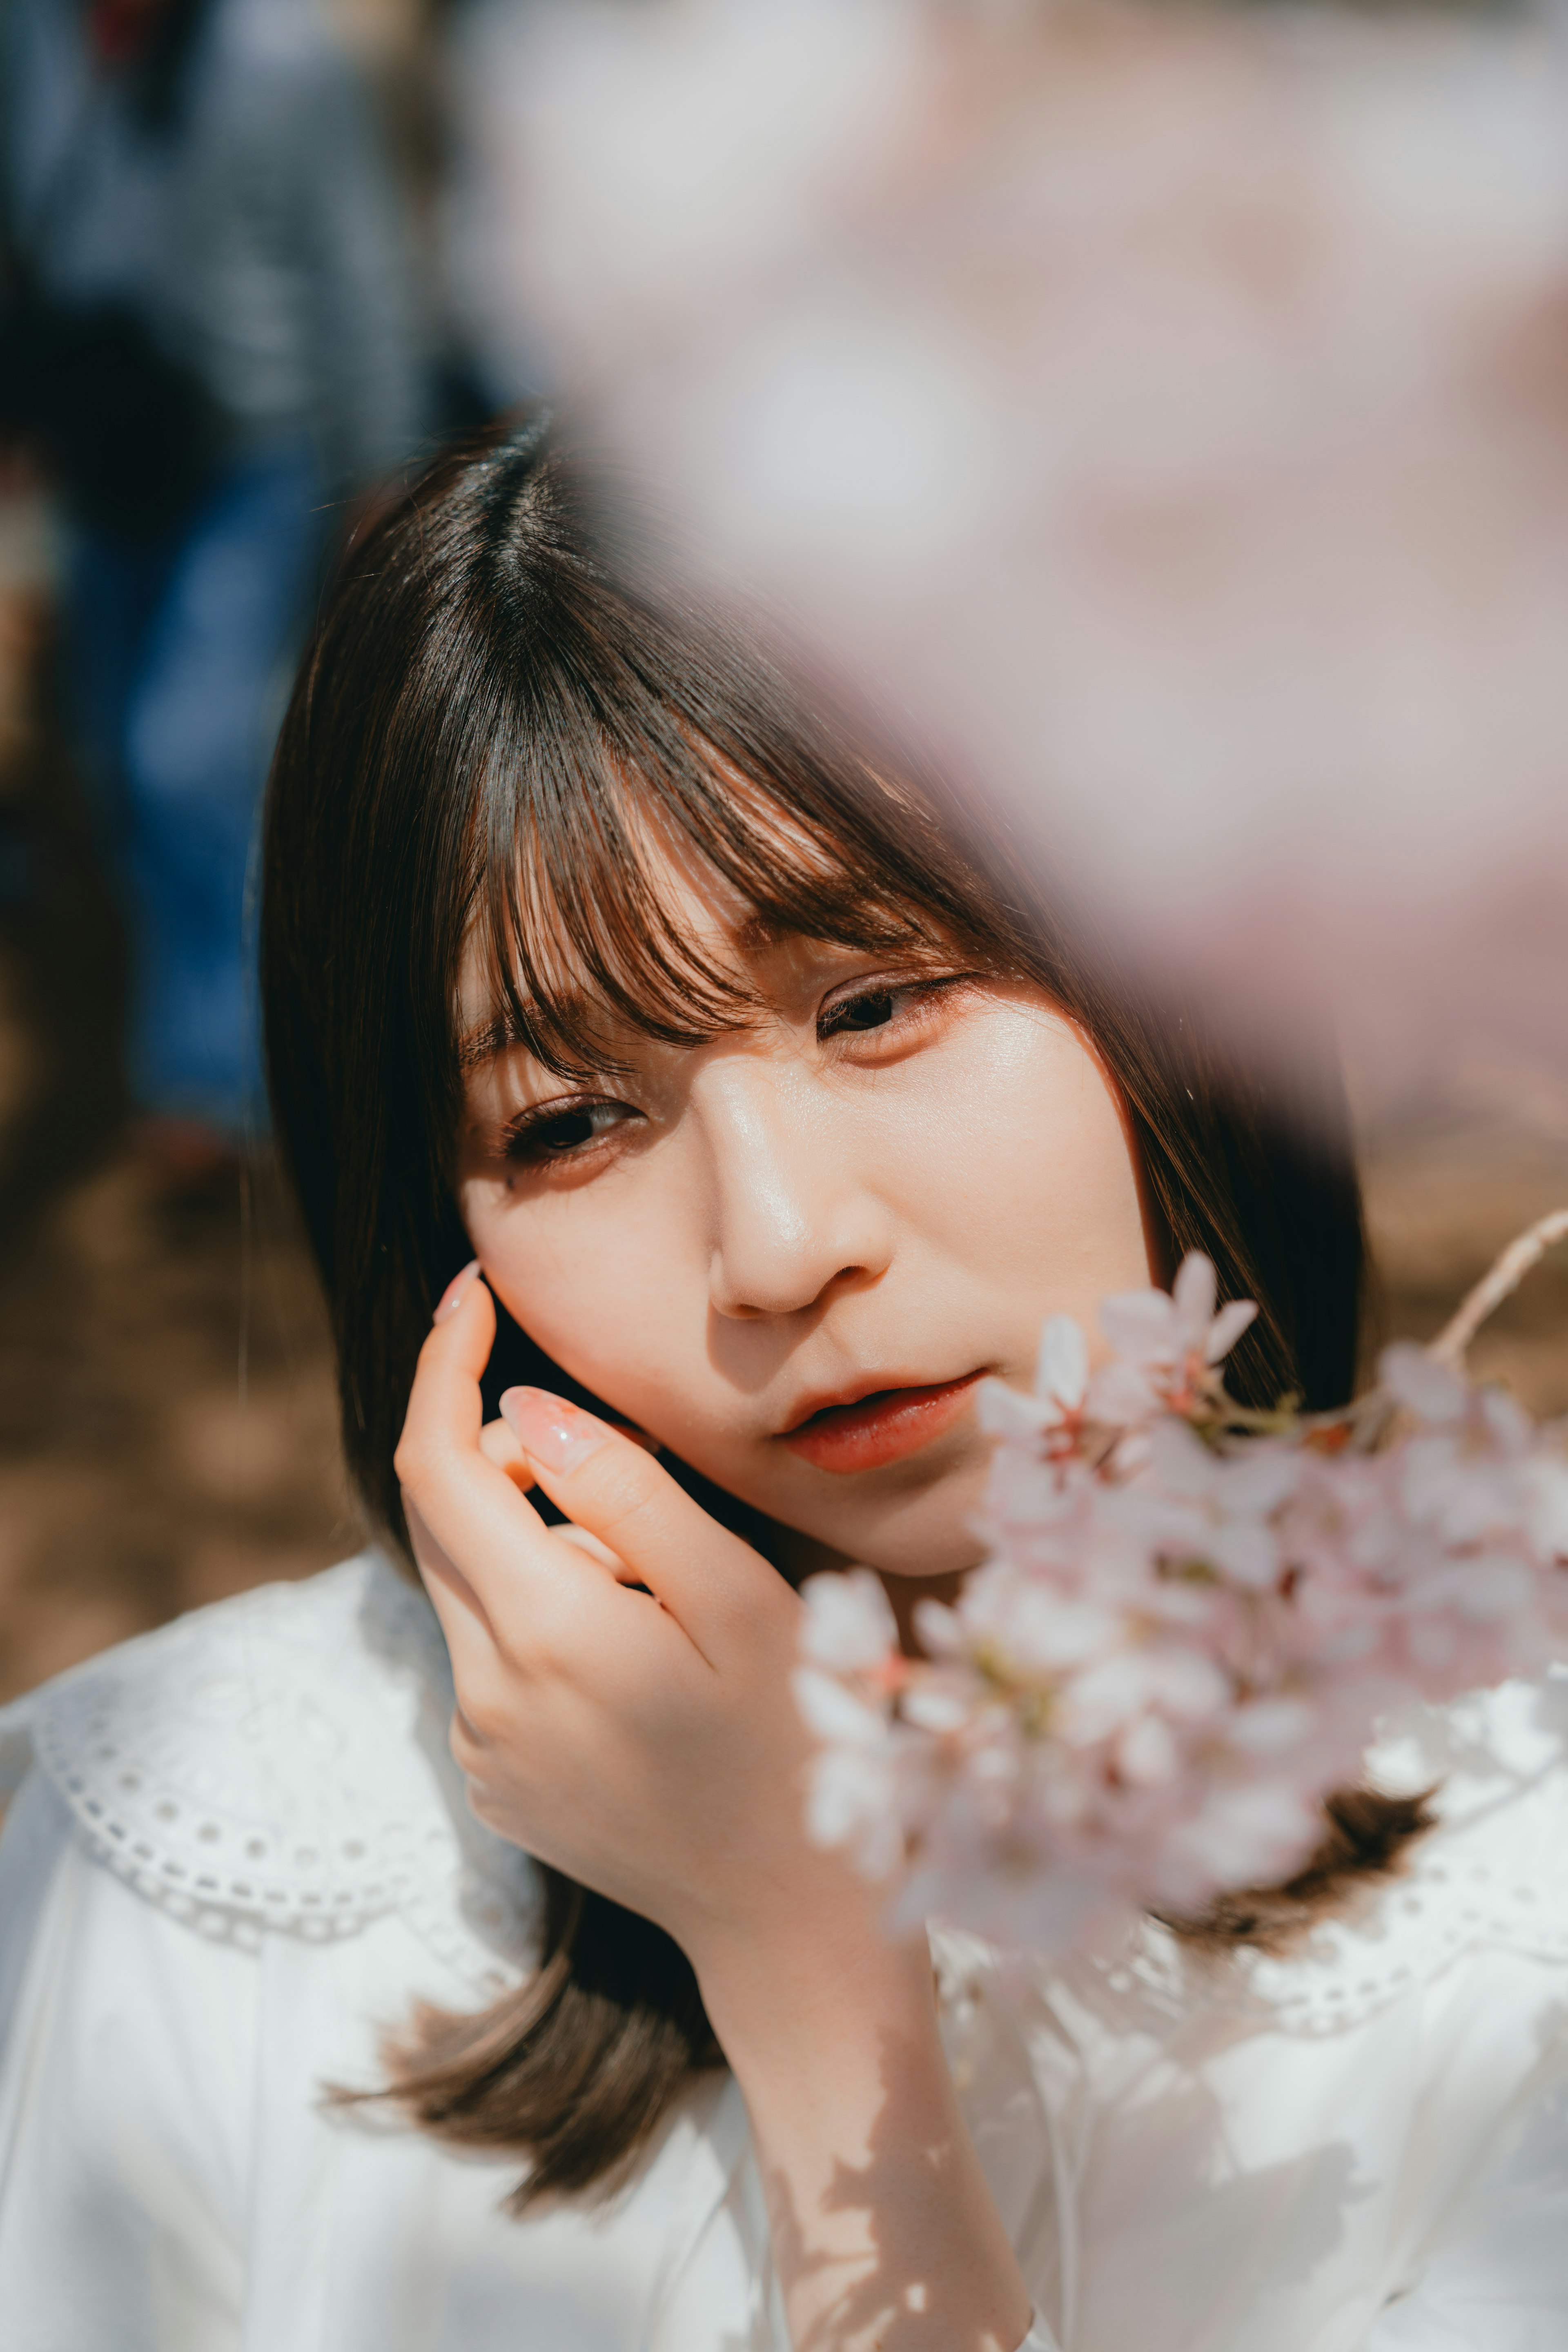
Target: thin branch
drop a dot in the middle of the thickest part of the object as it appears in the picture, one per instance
(1505, 1277)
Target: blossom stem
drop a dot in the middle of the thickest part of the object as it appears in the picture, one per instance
(1504, 1277)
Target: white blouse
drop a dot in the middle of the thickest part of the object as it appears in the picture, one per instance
(238, 1850)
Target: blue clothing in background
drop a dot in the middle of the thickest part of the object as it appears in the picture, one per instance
(250, 223)
(177, 649)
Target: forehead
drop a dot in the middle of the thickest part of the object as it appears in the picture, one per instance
(750, 957)
(670, 905)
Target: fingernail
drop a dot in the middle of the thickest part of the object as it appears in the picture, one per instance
(451, 1298)
(559, 1436)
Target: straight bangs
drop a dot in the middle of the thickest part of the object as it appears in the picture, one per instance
(664, 755)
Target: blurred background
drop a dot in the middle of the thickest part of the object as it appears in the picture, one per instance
(246, 274)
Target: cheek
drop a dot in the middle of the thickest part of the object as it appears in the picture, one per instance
(1031, 1170)
(606, 1295)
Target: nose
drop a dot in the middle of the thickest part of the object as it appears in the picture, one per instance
(793, 1216)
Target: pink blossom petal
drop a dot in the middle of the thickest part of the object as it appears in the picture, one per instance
(833, 1713)
(1146, 1753)
(849, 1804)
(930, 1707)
(1506, 1421)
(1246, 1552)
(1546, 1485)
(848, 1623)
(1262, 1478)
(1002, 1412)
(1265, 1726)
(1193, 1293)
(1422, 1386)
(1253, 1834)
(1063, 1372)
(1189, 1685)
(1121, 1396)
(940, 1632)
(1142, 1324)
(1181, 1462)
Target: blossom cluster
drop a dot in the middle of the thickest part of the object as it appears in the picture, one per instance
(1191, 1618)
(1014, 350)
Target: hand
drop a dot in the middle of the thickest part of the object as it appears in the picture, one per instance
(624, 1712)
(623, 1705)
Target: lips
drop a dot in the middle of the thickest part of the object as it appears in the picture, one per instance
(882, 1427)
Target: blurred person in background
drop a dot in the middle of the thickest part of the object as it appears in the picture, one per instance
(497, 357)
(208, 329)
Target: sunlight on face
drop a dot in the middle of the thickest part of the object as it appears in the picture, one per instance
(789, 1253)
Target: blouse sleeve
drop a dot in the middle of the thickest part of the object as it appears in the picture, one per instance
(1497, 2278)
(126, 2047)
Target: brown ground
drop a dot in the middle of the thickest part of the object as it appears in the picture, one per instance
(166, 1410)
(167, 1416)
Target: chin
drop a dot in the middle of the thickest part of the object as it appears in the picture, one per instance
(934, 1537)
(928, 1531)
(951, 1554)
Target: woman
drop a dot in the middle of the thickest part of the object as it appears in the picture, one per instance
(773, 1111)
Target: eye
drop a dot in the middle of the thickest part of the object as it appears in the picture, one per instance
(557, 1130)
(883, 1005)
(873, 1010)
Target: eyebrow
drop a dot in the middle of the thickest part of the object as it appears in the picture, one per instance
(493, 1037)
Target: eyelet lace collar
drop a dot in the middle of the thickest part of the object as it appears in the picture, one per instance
(278, 1763)
(1491, 1876)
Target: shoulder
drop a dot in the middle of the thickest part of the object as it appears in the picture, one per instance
(1491, 1876)
(277, 1763)
(1490, 1879)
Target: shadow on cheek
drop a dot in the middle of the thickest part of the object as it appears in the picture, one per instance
(518, 1361)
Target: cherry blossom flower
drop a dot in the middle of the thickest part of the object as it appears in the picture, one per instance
(1165, 1346)
(1187, 1629)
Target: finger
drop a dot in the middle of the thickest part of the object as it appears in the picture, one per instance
(446, 1392)
(499, 1578)
(466, 1498)
(498, 1444)
(457, 1604)
(580, 1540)
(462, 1506)
(620, 1494)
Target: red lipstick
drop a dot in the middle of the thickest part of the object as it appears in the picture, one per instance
(881, 1427)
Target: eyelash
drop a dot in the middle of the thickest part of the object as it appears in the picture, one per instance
(924, 994)
(524, 1144)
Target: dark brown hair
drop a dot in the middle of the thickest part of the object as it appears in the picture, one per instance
(502, 706)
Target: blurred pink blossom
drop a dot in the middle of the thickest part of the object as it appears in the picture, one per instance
(1177, 1647)
(1160, 408)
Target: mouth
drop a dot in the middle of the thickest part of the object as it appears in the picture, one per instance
(882, 1426)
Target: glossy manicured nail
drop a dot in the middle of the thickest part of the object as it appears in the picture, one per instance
(560, 1437)
(451, 1298)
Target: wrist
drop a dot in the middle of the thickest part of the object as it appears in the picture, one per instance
(873, 2184)
(777, 2003)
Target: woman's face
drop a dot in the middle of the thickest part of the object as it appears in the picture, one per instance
(790, 1253)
